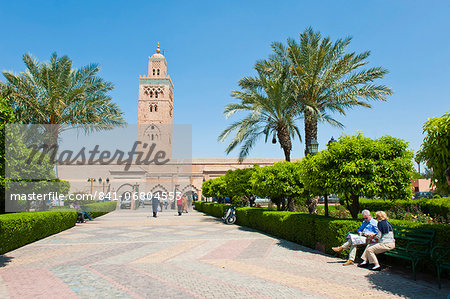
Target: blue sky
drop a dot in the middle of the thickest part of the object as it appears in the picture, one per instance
(210, 45)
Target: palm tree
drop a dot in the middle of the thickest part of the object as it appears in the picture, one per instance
(328, 80)
(59, 97)
(271, 107)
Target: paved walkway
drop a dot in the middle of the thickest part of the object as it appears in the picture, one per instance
(129, 254)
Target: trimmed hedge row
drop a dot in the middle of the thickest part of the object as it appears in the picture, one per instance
(98, 209)
(430, 206)
(312, 231)
(95, 209)
(19, 229)
(213, 209)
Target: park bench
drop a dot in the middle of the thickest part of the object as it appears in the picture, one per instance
(441, 258)
(412, 244)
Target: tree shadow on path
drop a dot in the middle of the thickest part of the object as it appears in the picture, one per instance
(401, 285)
(5, 260)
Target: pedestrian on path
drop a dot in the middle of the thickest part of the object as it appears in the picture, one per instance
(185, 205)
(367, 228)
(155, 205)
(385, 242)
(180, 205)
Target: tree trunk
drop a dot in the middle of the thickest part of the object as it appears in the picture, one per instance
(2, 200)
(278, 205)
(310, 128)
(311, 203)
(354, 206)
(285, 141)
(283, 204)
(325, 197)
(251, 200)
(291, 205)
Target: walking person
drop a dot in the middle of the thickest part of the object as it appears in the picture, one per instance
(161, 202)
(385, 242)
(368, 228)
(180, 205)
(155, 205)
(185, 205)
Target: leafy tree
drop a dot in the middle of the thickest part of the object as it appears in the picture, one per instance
(358, 166)
(314, 175)
(271, 111)
(278, 182)
(326, 79)
(215, 188)
(6, 117)
(435, 150)
(60, 97)
(238, 184)
(23, 177)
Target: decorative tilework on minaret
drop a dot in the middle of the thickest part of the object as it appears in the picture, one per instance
(156, 92)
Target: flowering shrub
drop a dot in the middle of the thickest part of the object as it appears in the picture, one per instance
(413, 213)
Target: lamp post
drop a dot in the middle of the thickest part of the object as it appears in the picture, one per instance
(91, 180)
(312, 146)
(332, 141)
(325, 196)
(206, 199)
(100, 180)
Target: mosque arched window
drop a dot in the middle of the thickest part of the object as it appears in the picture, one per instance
(153, 72)
(157, 72)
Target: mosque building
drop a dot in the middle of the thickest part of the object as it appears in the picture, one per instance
(156, 107)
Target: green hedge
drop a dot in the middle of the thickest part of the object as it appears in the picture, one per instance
(95, 209)
(98, 209)
(210, 208)
(431, 206)
(309, 230)
(19, 229)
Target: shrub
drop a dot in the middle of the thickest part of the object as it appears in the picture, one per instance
(437, 208)
(19, 229)
(309, 230)
(99, 208)
(95, 209)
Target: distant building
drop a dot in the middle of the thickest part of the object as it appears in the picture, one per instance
(155, 121)
(422, 185)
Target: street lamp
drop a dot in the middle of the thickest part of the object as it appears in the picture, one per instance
(332, 141)
(325, 196)
(312, 146)
(206, 199)
(100, 181)
(91, 180)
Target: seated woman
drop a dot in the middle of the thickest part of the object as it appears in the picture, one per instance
(385, 242)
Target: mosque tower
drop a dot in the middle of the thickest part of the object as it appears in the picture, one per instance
(155, 104)
(155, 92)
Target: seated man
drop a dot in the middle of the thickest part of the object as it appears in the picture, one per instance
(368, 228)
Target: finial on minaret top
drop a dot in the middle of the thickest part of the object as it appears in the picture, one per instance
(157, 49)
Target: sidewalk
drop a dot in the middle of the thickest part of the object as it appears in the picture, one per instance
(130, 254)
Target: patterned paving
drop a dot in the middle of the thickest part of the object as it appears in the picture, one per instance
(128, 254)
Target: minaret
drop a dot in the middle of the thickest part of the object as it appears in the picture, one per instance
(156, 92)
(155, 104)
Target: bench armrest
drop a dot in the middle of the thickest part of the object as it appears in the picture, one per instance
(438, 253)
